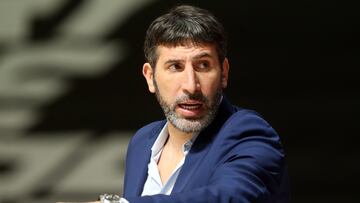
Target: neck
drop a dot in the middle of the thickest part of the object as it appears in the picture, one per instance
(177, 138)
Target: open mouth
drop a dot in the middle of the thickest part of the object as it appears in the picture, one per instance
(190, 106)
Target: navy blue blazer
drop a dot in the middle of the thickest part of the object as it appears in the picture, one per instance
(237, 158)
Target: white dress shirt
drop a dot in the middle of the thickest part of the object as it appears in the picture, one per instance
(153, 184)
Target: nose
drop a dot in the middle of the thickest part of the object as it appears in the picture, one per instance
(191, 81)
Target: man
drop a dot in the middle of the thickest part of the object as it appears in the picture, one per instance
(206, 150)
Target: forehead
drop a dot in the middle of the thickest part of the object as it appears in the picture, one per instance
(186, 51)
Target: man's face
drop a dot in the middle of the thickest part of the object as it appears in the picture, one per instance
(188, 82)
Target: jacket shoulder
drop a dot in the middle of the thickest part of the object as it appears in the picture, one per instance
(247, 116)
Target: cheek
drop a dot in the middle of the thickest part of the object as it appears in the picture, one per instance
(211, 84)
(170, 82)
(167, 88)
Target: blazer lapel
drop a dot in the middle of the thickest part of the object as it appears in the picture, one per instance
(143, 152)
(192, 162)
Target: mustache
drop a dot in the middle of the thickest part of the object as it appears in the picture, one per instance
(198, 96)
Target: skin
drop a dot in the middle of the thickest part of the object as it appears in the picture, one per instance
(184, 70)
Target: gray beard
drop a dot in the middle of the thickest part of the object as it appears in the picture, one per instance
(190, 125)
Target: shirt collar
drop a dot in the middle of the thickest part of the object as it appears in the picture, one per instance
(163, 136)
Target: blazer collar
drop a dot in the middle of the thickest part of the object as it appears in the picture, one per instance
(141, 170)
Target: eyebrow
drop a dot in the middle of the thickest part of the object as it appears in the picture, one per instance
(199, 56)
(202, 55)
(172, 61)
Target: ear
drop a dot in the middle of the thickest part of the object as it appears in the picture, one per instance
(225, 73)
(148, 74)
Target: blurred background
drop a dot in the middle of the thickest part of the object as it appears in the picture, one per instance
(72, 93)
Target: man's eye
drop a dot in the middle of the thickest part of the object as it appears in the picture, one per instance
(204, 65)
(175, 67)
